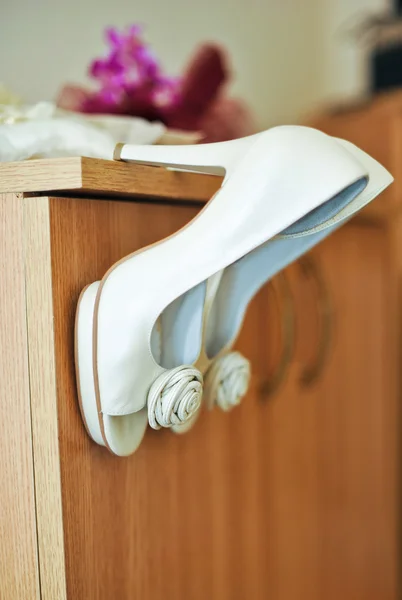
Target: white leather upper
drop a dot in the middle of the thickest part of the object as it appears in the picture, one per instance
(282, 174)
(242, 280)
(164, 316)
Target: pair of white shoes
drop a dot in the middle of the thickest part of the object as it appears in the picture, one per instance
(156, 333)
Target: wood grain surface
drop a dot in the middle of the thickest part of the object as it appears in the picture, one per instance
(42, 375)
(285, 499)
(157, 524)
(19, 577)
(90, 176)
(349, 423)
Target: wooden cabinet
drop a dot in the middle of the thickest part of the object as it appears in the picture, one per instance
(357, 424)
(288, 497)
(331, 512)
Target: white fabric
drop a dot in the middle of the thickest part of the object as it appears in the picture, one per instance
(44, 131)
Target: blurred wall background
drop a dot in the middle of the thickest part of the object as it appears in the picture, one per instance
(343, 71)
(287, 54)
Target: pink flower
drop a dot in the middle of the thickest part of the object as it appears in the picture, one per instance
(131, 81)
(130, 78)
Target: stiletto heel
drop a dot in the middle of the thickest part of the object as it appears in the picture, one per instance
(216, 159)
(202, 361)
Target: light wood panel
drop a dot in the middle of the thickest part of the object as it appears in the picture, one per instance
(90, 176)
(18, 541)
(43, 398)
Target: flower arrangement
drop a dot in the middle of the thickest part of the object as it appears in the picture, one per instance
(131, 81)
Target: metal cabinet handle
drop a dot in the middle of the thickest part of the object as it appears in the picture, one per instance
(311, 270)
(284, 300)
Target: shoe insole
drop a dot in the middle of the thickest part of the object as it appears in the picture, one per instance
(327, 211)
(177, 336)
(242, 280)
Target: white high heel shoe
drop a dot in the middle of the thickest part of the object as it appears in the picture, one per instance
(270, 183)
(227, 376)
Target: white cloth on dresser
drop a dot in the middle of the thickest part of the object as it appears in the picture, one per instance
(43, 131)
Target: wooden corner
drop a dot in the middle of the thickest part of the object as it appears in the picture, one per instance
(91, 176)
(19, 577)
(41, 175)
